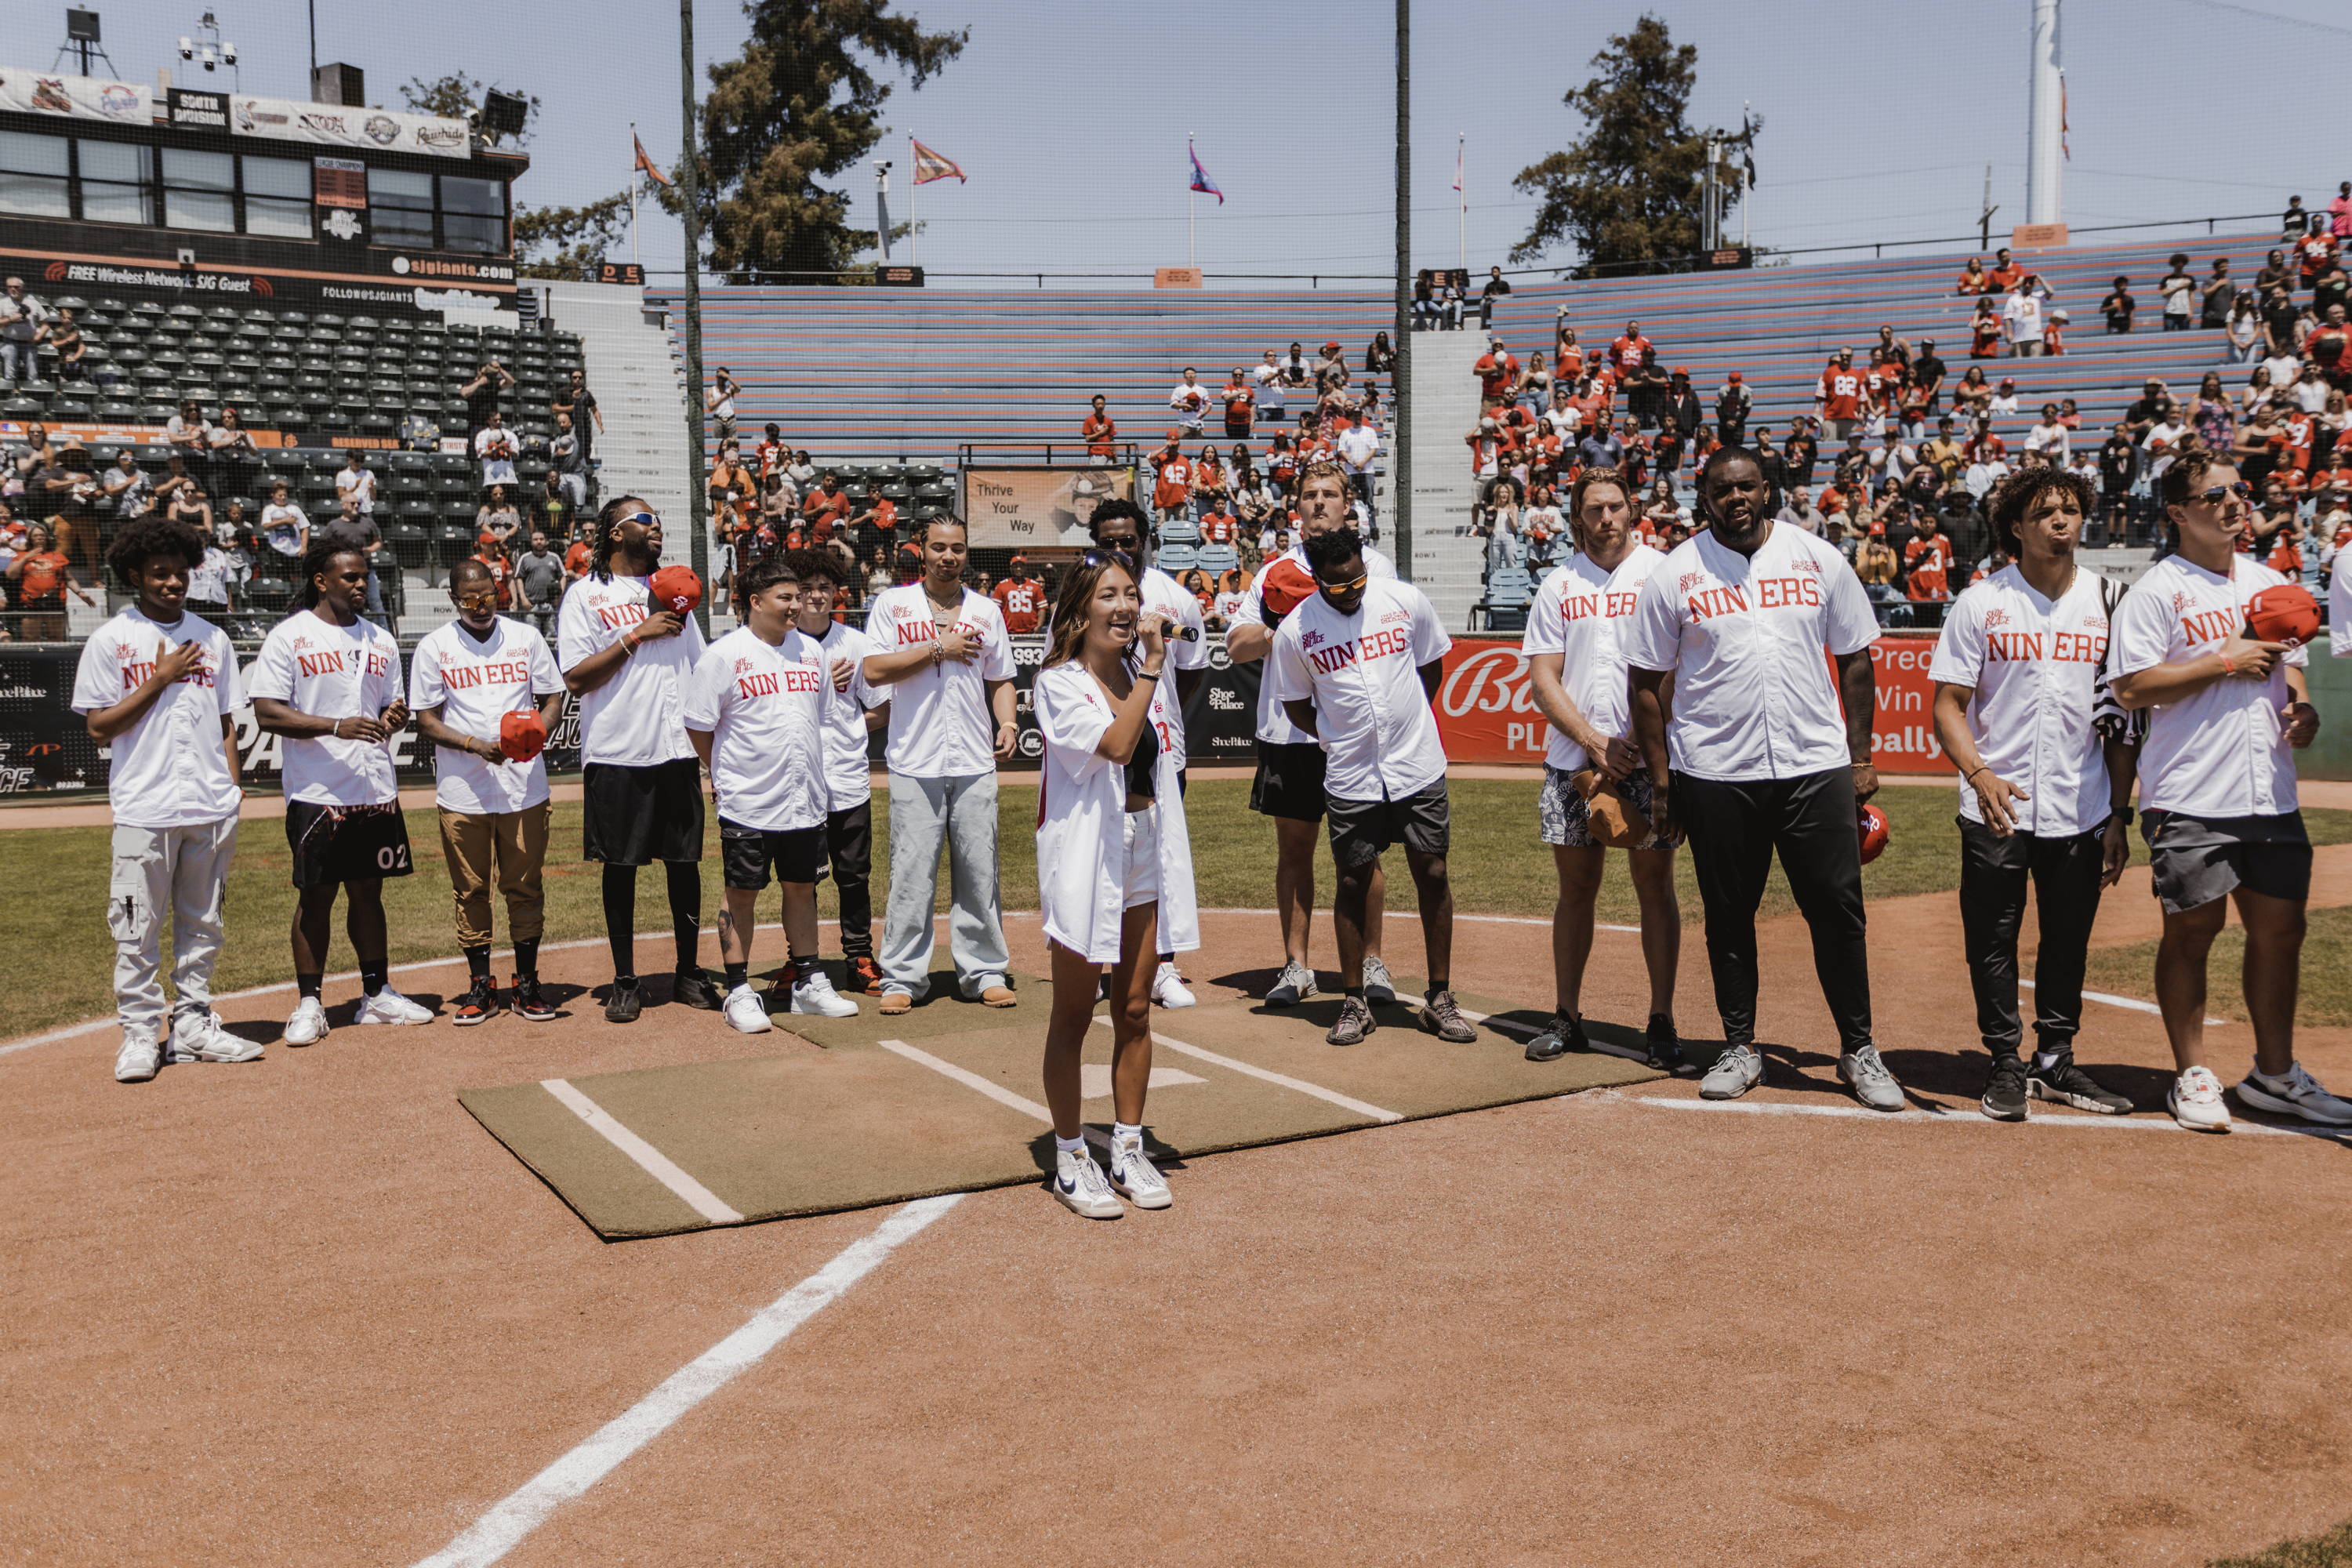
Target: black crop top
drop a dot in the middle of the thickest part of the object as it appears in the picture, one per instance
(1142, 767)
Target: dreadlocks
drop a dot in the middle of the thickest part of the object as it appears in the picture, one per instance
(322, 555)
(608, 534)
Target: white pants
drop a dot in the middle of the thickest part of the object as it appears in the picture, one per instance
(1142, 881)
(185, 868)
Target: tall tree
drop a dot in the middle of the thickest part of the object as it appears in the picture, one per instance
(1632, 188)
(802, 102)
(549, 242)
(456, 97)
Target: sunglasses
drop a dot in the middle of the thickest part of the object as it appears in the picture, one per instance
(2221, 493)
(486, 599)
(1106, 557)
(650, 519)
(1352, 585)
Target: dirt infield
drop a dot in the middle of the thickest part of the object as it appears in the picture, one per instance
(305, 1311)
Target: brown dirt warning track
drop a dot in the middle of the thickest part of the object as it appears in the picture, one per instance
(307, 1311)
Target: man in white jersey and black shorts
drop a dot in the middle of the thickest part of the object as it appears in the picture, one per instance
(1355, 667)
(942, 653)
(853, 710)
(1290, 764)
(1121, 526)
(1577, 671)
(328, 684)
(2216, 792)
(2045, 786)
(1741, 615)
(755, 711)
(486, 691)
(157, 686)
(627, 659)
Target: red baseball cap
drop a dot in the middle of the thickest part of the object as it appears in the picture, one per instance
(1735, 375)
(676, 588)
(1286, 585)
(522, 735)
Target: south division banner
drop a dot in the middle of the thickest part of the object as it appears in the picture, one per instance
(1038, 507)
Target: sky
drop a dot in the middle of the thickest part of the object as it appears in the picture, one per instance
(1072, 121)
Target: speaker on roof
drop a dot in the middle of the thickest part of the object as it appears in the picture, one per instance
(503, 113)
(81, 26)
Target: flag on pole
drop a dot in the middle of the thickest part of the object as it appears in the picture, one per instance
(1200, 181)
(1457, 163)
(646, 162)
(930, 165)
(2064, 130)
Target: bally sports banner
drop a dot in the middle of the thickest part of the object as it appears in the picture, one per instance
(1486, 708)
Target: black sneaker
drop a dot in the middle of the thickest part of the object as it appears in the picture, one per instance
(479, 1004)
(692, 988)
(527, 1003)
(625, 1003)
(1566, 1034)
(1355, 1023)
(2004, 1095)
(2066, 1084)
(1665, 1044)
(1440, 1016)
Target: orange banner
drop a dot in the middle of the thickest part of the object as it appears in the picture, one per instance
(1486, 709)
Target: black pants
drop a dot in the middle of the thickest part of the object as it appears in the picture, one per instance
(849, 847)
(1993, 875)
(1734, 829)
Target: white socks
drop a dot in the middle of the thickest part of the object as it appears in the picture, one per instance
(1070, 1146)
(1120, 1133)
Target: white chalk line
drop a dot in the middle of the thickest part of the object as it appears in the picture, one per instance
(503, 1526)
(1332, 1096)
(2133, 1003)
(649, 1160)
(1969, 1119)
(995, 1091)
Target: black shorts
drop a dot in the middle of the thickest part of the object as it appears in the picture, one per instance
(746, 853)
(1361, 829)
(337, 844)
(1289, 781)
(635, 816)
(2193, 861)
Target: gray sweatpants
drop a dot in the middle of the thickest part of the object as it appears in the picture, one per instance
(182, 869)
(962, 812)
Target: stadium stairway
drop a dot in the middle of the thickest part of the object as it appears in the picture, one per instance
(1447, 560)
(636, 377)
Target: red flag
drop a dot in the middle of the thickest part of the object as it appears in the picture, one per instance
(645, 161)
(932, 165)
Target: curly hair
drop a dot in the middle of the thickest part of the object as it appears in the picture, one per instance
(2016, 494)
(147, 538)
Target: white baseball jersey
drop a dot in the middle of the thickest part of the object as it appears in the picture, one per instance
(1362, 672)
(170, 769)
(940, 724)
(1274, 726)
(763, 707)
(1744, 636)
(477, 682)
(1163, 593)
(334, 672)
(2339, 605)
(2219, 752)
(1271, 393)
(637, 718)
(849, 777)
(2033, 665)
(1578, 614)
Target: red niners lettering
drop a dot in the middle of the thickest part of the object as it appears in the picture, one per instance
(618, 617)
(1786, 592)
(139, 672)
(466, 676)
(2209, 625)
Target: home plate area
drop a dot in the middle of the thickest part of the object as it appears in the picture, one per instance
(853, 1113)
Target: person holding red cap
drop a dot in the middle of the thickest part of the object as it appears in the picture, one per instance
(468, 682)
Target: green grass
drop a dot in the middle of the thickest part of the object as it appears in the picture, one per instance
(2324, 1000)
(2333, 1550)
(56, 878)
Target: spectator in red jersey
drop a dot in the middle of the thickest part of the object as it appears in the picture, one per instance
(1498, 372)
(2313, 252)
(1566, 358)
(1196, 582)
(1972, 277)
(826, 507)
(2005, 274)
(1219, 526)
(2325, 348)
(1172, 481)
(1626, 352)
(1240, 405)
(1211, 490)
(1838, 397)
(1099, 431)
(1985, 331)
(1021, 598)
(874, 522)
(1926, 565)
(493, 558)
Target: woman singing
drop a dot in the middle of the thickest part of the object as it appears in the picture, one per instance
(1113, 860)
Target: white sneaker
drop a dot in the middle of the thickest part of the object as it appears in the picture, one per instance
(1735, 1072)
(747, 1011)
(1379, 989)
(139, 1056)
(199, 1037)
(1135, 1177)
(308, 1027)
(2195, 1101)
(389, 1006)
(1168, 987)
(1079, 1183)
(2297, 1093)
(816, 995)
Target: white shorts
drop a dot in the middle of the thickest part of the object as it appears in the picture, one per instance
(1142, 875)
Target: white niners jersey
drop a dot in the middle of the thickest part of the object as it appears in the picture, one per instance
(477, 682)
(2219, 751)
(1362, 672)
(1744, 637)
(637, 719)
(1274, 726)
(1578, 614)
(848, 776)
(2033, 666)
(941, 726)
(1163, 593)
(316, 666)
(763, 708)
(170, 769)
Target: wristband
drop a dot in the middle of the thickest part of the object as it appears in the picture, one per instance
(2227, 666)
(1147, 675)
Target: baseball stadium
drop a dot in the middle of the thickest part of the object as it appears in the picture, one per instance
(708, 748)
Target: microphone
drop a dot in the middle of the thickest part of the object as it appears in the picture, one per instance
(1184, 633)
